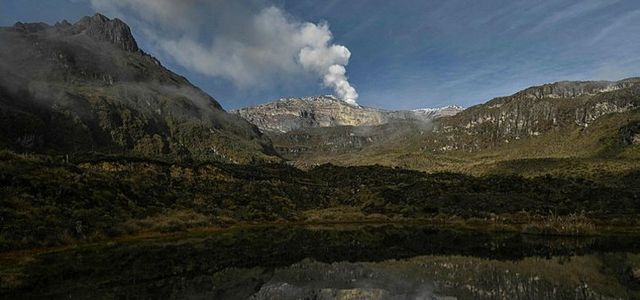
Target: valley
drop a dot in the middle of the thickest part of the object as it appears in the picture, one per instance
(593, 125)
(112, 167)
(136, 149)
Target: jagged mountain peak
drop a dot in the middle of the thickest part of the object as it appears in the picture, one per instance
(102, 28)
(98, 27)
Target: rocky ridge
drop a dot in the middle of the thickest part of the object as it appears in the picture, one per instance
(535, 111)
(290, 114)
(560, 119)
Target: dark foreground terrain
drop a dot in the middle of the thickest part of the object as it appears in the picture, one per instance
(121, 179)
(51, 201)
(98, 140)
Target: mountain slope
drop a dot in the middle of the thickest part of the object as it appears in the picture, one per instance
(585, 127)
(536, 111)
(80, 87)
(310, 127)
(290, 114)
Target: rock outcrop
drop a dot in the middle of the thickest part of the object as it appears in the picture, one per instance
(314, 128)
(102, 28)
(630, 134)
(98, 26)
(290, 114)
(535, 111)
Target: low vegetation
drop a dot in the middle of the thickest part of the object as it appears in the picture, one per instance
(49, 201)
(606, 146)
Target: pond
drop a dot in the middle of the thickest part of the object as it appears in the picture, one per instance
(334, 262)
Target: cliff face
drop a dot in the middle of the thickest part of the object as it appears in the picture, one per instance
(326, 111)
(102, 28)
(72, 88)
(323, 126)
(326, 141)
(535, 111)
(559, 119)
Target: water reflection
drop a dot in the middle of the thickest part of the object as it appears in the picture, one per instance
(357, 262)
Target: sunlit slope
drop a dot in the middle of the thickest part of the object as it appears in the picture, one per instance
(592, 124)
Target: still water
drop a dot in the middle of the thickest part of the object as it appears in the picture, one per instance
(345, 262)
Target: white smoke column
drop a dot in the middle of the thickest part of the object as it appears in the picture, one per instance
(337, 79)
(328, 60)
(253, 44)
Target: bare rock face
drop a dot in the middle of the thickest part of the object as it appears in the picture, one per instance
(290, 114)
(569, 89)
(630, 134)
(326, 125)
(535, 111)
(98, 27)
(323, 126)
(102, 28)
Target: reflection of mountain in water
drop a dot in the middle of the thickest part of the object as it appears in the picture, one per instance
(441, 277)
(369, 262)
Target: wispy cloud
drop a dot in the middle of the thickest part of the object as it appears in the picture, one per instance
(250, 43)
(571, 12)
(622, 23)
(410, 53)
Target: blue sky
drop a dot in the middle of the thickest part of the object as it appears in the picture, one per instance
(404, 54)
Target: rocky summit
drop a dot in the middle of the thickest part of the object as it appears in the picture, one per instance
(289, 114)
(102, 28)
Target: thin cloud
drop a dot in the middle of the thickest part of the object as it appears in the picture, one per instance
(618, 24)
(572, 12)
(250, 43)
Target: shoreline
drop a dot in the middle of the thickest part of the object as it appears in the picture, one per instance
(454, 224)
